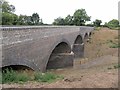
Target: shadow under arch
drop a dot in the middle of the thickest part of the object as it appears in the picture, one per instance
(78, 47)
(17, 67)
(86, 37)
(60, 56)
(90, 33)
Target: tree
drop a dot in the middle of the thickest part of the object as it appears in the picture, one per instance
(59, 21)
(35, 19)
(8, 17)
(97, 22)
(113, 23)
(7, 8)
(69, 20)
(80, 17)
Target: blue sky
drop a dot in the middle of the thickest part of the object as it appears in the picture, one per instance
(48, 10)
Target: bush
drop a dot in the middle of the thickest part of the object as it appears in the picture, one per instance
(113, 24)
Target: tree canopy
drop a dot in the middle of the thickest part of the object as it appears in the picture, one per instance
(97, 22)
(9, 18)
(79, 18)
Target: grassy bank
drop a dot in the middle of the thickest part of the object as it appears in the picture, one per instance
(11, 76)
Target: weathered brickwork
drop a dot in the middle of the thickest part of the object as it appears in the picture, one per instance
(32, 46)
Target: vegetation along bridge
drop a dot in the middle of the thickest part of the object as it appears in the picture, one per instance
(43, 47)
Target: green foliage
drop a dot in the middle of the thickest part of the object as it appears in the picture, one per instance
(11, 76)
(117, 66)
(69, 20)
(97, 23)
(59, 21)
(113, 44)
(24, 20)
(7, 8)
(113, 24)
(9, 18)
(97, 28)
(36, 19)
(8, 76)
(79, 18)
(45, 77)
(114, 67)
(90, 24)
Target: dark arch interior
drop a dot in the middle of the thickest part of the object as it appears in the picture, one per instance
(90, 34)
(78, 47)
(86, 36)
(59, 56)
(17, 67)
(78, 40)
(62, 48)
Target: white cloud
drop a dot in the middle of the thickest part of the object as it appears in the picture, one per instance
(51, 9)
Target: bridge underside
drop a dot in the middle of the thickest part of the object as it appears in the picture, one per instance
(61, 57)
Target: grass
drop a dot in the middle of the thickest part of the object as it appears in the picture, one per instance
(114, 67)
(97, 28)
(46, 77)
(113, 44)
(117, 66)
(115, 28)
(11, 76)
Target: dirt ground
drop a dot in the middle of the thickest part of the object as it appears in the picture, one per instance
(96, 70)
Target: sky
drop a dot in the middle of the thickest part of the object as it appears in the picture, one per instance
(49, 10)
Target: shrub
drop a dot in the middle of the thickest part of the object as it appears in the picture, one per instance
(113, 24)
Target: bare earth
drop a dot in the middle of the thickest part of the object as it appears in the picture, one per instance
(90, 72)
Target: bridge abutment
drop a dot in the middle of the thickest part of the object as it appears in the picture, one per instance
(78, 50)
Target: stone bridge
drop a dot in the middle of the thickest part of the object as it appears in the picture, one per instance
(43, 47)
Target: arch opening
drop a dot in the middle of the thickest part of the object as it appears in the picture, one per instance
(90, 34)
(78, 47)
(17, 67)
(60, 57)
(86, 37)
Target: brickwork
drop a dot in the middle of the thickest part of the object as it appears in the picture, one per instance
(32, 46)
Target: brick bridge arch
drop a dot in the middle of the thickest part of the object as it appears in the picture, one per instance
(36, 46)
